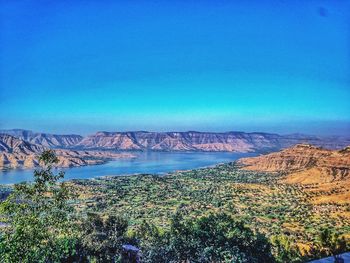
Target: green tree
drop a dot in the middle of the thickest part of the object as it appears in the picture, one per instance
(285, 250)
(212, 238)
(39, 219)
(331, 243)
(102, 238)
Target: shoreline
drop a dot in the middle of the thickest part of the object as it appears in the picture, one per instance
(153, 164)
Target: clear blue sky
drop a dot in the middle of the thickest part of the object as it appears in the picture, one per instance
(82, 66)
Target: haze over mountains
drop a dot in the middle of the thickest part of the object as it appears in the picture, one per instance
(178, 141)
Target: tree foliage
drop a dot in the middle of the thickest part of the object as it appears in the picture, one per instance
(212, 238)
(285, 249)
(38, 218)
(331, 243)
(102, 238)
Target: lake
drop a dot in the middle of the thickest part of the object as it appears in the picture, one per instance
(145, 162)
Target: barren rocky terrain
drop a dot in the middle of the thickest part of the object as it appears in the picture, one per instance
(45, 139)
(17, 153)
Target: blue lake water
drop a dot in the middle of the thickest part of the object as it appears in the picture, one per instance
(145, 162)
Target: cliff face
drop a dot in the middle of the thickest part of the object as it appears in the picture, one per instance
(323, 173)
(178, 141)
(203, 141)
(11, 144)
(17, 153)
(304, 164)
(45, 139)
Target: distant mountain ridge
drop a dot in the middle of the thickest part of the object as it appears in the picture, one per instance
(205, 141)
(45, 139)
(179, 141)
(17, 153)
(11, 144)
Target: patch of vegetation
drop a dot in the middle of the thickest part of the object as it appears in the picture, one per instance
(38, 218)
(258, 199)
(213, 238)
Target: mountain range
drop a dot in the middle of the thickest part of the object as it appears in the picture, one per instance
(45, 139)
(18, 153)
(178, 141)
(21, 148)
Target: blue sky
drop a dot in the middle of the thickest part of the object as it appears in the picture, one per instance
(83, 66)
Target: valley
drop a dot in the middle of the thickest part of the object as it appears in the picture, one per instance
(268, 202)
(174, 131)
(19, 148)
(288, 196)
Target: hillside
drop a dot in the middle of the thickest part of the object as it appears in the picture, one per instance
(11, 144)
(179, 141)
(202, 141)
(17, 153)
(317, 169)
(267, 205)
(335, 165)
(45, 139)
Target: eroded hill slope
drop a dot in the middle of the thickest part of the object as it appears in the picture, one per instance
(17, 153)
(45, 139)
(322, 171)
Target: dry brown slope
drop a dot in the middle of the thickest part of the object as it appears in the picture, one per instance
(319, 170)
(17, 153)
(182, 141)
(45, 139)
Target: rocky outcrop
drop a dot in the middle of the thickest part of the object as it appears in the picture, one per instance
(45, 139)
(17, 153)
(304, 163)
